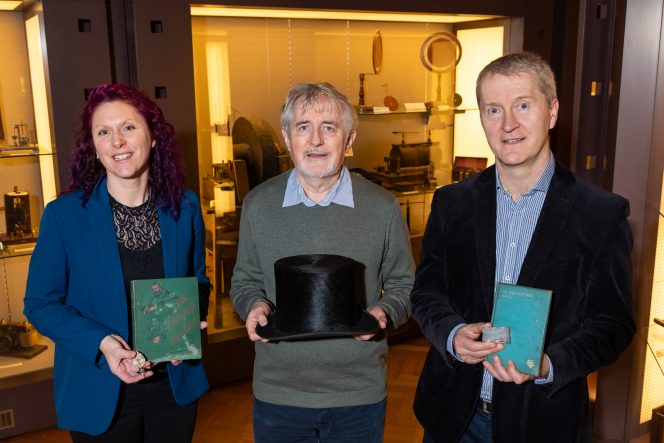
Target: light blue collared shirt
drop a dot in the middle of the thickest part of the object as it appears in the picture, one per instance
(341, 193)
(515, 224)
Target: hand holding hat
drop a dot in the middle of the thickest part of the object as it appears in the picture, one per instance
(380, 315)
(318, 296)
(258, 315)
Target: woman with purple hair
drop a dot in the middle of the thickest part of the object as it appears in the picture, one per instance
(124, 216)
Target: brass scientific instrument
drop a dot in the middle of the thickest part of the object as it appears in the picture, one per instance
(377, 59)
(17, 213)
(20, 136)
(441, 52)
(407, 166)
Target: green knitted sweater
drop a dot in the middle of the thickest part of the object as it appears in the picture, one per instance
(336, 371)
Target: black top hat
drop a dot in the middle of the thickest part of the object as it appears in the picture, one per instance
(316, 298)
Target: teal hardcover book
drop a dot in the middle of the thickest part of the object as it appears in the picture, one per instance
(165, 318)
(525, 311)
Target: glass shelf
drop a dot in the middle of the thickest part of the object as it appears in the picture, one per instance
(369, 111)
(22, 151)
(17, 250)
(14, 370)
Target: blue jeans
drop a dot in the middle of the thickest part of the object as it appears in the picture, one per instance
(478, 431)
(290, 424)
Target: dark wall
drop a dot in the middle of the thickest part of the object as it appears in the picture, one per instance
(563, 61)
(145, 43)
(164, 69)
(77, 52)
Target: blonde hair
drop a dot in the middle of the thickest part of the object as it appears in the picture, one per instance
(513, 64)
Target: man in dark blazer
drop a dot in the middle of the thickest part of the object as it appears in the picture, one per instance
(528, 221)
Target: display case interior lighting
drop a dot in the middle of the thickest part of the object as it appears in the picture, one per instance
(224, 200)
(652, 394)
(219, 98)
(40, 103)
(7, 5)
(485, 44)
(324, 14)
(216, 55)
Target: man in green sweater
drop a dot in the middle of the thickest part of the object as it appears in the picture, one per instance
(333, 389)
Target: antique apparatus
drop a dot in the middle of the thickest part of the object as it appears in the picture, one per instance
(466, 166)
(16, 337)
(377, 61)
(407, 155)
(407, 165)
(257, 156)
(226, 188)
(17, 213)
(221, 187)
(256, 142)
(22, 141)
(20, 136)
(440, 53)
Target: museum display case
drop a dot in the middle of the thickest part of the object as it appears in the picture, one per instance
(650, 339)
(27, 180)
(407, 78)
(654, 338)
(399, 70)
(627, 393)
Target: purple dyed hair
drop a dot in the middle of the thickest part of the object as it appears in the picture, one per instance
(165, 178)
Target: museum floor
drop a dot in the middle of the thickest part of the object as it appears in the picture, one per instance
(224, 413)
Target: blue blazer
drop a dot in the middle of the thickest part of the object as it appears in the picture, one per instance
(76, 296)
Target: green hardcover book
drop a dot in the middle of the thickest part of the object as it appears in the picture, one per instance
(525, 311)
(166, 319)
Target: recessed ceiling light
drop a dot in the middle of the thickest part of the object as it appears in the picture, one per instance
(326, 14)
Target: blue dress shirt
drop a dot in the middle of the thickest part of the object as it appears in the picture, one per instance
(341, 193)
(515, 224)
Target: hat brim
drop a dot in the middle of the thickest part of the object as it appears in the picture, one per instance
(367, 325)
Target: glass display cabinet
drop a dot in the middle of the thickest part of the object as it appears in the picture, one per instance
(651, 339)
(27, 182)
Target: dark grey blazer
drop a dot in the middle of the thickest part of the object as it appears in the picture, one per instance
(580, 249)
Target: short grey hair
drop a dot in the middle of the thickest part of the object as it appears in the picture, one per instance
(317, 94)
(513, 64)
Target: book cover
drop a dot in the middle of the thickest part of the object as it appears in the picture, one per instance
(525, 311)
(166, 319)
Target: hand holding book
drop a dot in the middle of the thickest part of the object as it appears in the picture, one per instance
(469, 348)
(525, 311)
(166, 322)
(510, 373)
